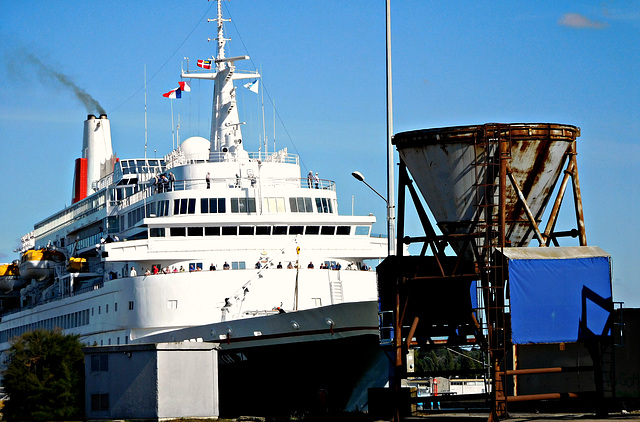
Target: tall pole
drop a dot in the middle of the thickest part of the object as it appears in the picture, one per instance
(145, 111)
(391, 208)
(391, 226)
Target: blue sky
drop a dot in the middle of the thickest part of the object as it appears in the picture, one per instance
(454, 63)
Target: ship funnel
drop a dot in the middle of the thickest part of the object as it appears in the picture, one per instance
(97, 156)
(457, 171)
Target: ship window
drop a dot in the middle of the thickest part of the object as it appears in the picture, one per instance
(324, 205)
(300, 204)
(362, 230)
(243, 205)
(157, 232)
(115, 307)
(150, 209)
(163, 208)
(245, 230)
(280, 230)
(177, 231)
(212, 231)
(194, 231)
(312, 230)
(296, 229)
(328, 230)
(273, 205)
(131, 305)
(263, 230)
(184, 206)
(212, 205)
(238, 265)
(229, 231)
(99, 308)
(172, 304)
(346, 230)
(106, 308)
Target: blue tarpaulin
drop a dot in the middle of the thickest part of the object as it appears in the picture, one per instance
(559, 295)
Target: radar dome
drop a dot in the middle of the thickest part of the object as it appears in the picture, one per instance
(196, 148)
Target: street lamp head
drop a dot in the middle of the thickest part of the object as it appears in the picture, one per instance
(359, 176)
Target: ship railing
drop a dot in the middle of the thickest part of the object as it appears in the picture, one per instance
(71, 214)
(282, 157)
(223, 182)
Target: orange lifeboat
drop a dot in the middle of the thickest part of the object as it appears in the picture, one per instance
(77, 265)
(9, 277)
(39, 264)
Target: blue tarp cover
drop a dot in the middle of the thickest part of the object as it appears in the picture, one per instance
(559, 300)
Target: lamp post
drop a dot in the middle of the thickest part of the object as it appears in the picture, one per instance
(390, 222)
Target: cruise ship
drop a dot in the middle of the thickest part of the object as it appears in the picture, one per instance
(210, 243)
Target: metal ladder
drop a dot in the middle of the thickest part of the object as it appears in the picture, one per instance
(492, 280)
(335, 288)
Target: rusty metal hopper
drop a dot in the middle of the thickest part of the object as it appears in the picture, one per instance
(457, 171)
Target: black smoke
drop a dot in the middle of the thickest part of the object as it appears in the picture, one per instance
(46, 74)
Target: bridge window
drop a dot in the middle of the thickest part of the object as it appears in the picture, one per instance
(243, 205)
(212, 205)
(324, 205)
(300, 204)
(184, 206)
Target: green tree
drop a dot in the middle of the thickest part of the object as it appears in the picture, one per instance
(45, 377)
(445, 359)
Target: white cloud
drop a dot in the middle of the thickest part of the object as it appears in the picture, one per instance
(576, 20)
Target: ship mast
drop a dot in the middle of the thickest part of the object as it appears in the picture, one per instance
(226, 136)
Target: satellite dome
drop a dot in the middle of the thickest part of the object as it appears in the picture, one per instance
(196, 148)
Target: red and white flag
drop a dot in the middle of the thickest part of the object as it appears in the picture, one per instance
(184, 86)
(205, 64)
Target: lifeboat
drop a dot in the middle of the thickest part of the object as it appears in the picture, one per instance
(39, 264)
(9, 277)
(77, 265)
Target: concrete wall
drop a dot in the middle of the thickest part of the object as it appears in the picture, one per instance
(188, 382)
(151, 381)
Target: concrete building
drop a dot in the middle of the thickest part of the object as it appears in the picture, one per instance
(151, 381)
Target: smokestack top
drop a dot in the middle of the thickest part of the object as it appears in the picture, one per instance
(91, 117)
(103, 116)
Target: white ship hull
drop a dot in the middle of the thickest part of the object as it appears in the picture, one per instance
(257, 347)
